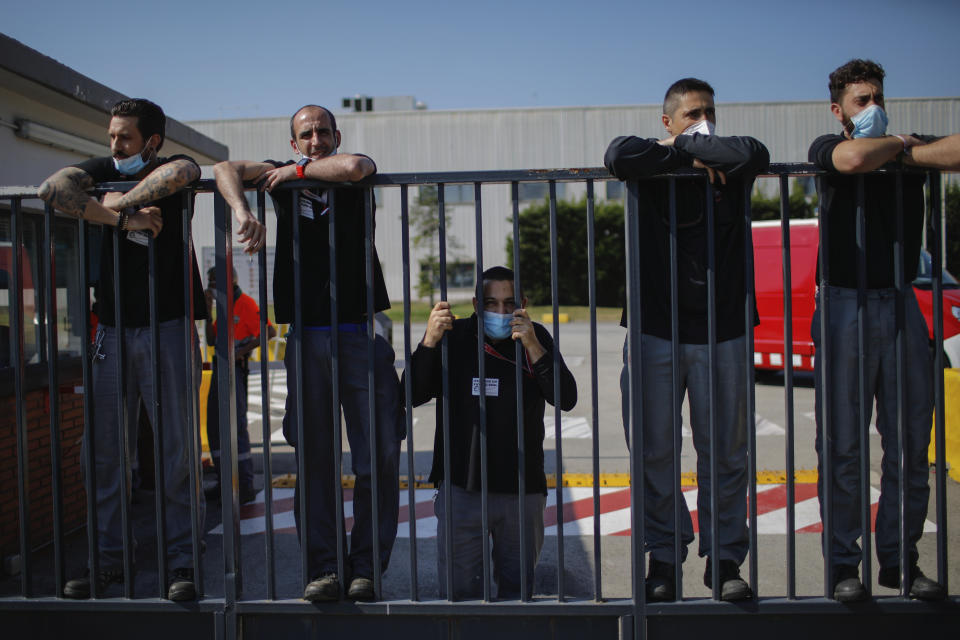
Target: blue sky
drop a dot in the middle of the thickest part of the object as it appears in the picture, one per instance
(203, 60)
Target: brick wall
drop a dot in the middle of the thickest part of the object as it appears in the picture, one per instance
(36, 408)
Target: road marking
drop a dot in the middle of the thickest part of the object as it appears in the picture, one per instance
(577, 511)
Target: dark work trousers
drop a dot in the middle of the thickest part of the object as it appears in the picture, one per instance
(880, 363)
(175, 401)
(244, 458)
(320, 455)
(658, 444)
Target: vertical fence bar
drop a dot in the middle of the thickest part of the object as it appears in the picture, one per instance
(749, 307)
(408, 390)
(676, 395)
(900, 341)
(335, 392)
(714, 394)
(518, 381)
(53, 387)
(634, 330)
(594, 390)
(297, 338)
(482, 396)
(371, 395)
(555, 297)
(126, 534)
(445, 378)
(19, 392)
(865, 400)
(265, 406)
(825, 466)
(89, 459)
(934, 187)
(227, 408)
(785, 260)
(156, 417)
(191, 371)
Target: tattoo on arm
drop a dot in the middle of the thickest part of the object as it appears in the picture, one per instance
(162, 181)
(66, 190)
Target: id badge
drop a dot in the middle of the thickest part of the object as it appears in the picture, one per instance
(138, 237)
(306, 208)
(493, 387)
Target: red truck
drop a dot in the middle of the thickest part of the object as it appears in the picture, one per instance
(804, 238)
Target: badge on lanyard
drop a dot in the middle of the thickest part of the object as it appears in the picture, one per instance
(493, 387)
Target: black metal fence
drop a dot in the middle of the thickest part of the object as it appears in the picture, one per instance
(232, 615)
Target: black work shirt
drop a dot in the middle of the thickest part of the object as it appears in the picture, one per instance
(134, 258)
(741, 159)
(315, 257)
(838, 202)
(501, 407)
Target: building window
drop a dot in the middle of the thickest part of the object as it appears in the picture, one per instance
(540, 191)
(460, 275)
(614, 190)
(458, 193)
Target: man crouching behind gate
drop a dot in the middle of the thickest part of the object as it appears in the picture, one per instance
(503, 324)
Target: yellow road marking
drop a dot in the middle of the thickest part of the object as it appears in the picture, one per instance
(687, 479)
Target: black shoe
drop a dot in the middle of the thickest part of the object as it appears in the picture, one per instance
(661, 581)
(732, 586)
(326, 588)
(361, 589)
(247, 495)
(79, 588)
(212, 492)
(180, 587)
(846, 584)
(921, 587)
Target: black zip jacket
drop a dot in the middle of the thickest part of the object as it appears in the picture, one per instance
(741, 159)
(501, 405)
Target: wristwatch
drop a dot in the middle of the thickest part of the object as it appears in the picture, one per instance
(301, 164)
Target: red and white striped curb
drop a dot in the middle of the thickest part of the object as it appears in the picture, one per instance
(577, 511)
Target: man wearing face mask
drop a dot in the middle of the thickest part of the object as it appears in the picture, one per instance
(732, 163)
(314, 138)
(856, 96)
(503, 325)
(152, 208)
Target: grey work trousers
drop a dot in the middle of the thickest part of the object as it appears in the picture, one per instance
(320, 455)
(657, 412)
(175, 403)
(503, 521)
(880, 364)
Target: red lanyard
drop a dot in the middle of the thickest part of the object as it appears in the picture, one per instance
(496, 354)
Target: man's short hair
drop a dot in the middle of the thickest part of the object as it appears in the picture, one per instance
(150, 117)
(857, 70)
(333, 118)
(212, 271)
(671, 100)
(500, 274)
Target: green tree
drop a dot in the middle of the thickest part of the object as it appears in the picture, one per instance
(425, 223)
(572, 272)
(800, 204)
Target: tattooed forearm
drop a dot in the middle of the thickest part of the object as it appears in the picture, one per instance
(66, 190)
(162, 181)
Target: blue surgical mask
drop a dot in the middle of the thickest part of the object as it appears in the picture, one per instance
(131, 166)
(497, 325)
(703, 127)
(869, 123)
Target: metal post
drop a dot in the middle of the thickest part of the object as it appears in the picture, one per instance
(714, 395)
(371, 391)
(865, 396)
(935, 186)
(749, 310)
(482, 397)
(445, 378)
(676, 396)
(518, 382)
(337, 478)
(785, 260)
(156, 419)
(122, 419)
(227, 407)
(594, 389)
(408, 391)
(296, 337)
(900, 341)
(555, 298)
(825, 466)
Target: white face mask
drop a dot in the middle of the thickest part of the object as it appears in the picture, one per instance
(132, 165)
(703, 127)
(332, 153)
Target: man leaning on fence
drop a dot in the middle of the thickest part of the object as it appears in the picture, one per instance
(154, 207)
(857, 102)
(732, 163)
(503, 325)
(315, 139)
